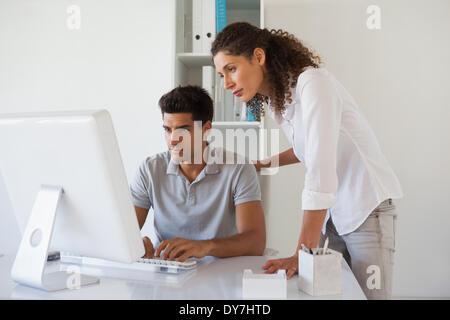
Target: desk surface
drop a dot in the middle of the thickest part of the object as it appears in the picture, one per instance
(217, 279)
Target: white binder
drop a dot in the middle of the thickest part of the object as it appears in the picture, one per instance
(208, 24)
(203, 25)
(209, 80)
(228, 105)
(219, 99)
(237, 109)
(197, 26)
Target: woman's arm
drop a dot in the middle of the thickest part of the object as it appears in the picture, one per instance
(284, 158)
(311, 228)
(320, 120)
(309, 236)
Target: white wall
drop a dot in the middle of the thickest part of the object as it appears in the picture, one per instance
(400, 76)
(120, 59)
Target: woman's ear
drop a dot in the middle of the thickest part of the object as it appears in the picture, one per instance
(260, 56)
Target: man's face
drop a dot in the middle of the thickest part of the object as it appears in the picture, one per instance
(180, 134)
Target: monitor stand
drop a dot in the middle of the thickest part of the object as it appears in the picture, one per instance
(31, 258)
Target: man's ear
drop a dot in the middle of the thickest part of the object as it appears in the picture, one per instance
(206, 128)
(260, 56)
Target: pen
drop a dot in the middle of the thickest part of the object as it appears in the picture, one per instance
(306, 249)
(325, 247)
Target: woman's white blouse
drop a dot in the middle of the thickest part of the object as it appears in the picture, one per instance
(346, 171)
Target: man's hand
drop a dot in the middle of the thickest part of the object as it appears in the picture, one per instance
(149, 251)
(180, 249)
(289, 264)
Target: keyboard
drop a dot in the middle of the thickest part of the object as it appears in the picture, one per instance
(152, 265)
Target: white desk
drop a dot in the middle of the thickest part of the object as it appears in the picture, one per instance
(217, 279)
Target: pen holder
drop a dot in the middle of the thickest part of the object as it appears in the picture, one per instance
(321, 274)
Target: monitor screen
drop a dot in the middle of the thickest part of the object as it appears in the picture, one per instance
(77, 151)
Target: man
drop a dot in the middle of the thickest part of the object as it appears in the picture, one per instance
(201, 207)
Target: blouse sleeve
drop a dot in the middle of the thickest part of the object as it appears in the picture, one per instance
(321, 119)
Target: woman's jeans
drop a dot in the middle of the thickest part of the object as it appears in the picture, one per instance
(369, 250)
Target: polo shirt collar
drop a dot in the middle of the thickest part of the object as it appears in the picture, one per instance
(172, 168)
(211, 168)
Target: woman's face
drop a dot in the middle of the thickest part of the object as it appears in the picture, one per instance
(243, 76)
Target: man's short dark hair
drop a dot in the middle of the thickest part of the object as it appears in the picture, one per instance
(188, 99)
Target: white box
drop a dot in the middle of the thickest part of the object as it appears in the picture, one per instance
(320, 275)
(264, 286)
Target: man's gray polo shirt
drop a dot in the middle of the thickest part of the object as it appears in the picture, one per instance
(203, 209)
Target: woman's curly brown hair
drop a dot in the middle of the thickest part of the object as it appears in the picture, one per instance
(286, 57)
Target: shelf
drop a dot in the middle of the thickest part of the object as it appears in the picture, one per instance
(243, 5)
(236, 124)
(190, 59)
(188, 65)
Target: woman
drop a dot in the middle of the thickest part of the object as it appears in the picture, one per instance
(349, 185)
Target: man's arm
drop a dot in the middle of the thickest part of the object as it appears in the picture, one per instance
(251, 237)
(141, 214)
(250, 240)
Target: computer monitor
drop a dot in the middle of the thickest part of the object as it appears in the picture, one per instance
(68, 188)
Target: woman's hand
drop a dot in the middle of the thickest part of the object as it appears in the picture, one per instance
(309, 236)
(284, 158)
(261, 164)
(289, 264)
